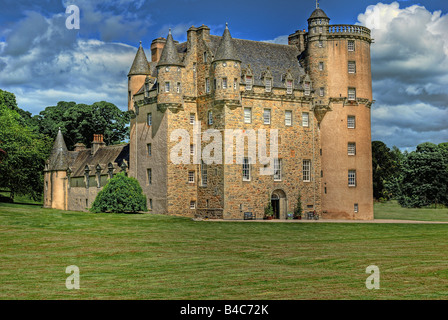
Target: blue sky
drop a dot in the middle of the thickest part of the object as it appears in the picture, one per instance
(42, 62)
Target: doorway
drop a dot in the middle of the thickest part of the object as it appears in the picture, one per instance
(279, 204)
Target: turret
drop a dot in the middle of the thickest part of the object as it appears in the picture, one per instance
(227, 71)
(137, 75)
(169, 76)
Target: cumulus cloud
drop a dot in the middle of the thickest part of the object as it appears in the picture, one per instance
(409, 74)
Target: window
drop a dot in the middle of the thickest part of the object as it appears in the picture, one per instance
(178, 87)
(307, 88)
(351, 148)
(149, 149)
(247, 115)
(351, 45)
(277, 169)
(203, 173)
(235, 82)
(288, 118)
(248, 82)
(356, 207)
(352, 178)
(351, 94)
(268, 85)
(267, 116)
(167, 86)
(305, 119)
(224, 83)
(192, 118)
(246, 169)
(190, 176)
(210, 117)
(214, 84)
(149, 119)
(321, 29)
(351, 122)
(321, 91)
(321, 66)
(192, 204)
(205, 57)
(149, 172)
(192, 149)
(306, 170)
(150, 204)
(207, 85)
(352, 67)
(289, 86)
(321, 44)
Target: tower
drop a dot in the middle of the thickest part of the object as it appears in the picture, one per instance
(55, 189)
(137, 75)
(338, 61)
(227, 71)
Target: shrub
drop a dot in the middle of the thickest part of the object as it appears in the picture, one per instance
(121, 194)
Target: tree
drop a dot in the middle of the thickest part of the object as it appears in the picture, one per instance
(8, 100)
(384, 167)
(121, 194)
(79, 122)
(424, 177)
(298, 209)
(24, 155)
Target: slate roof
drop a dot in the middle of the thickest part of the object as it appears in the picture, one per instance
(318, 13)
(170, 56)
(226, 49)
(58, 158)
(140, 64)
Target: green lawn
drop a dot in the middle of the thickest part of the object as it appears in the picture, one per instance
(392, 210)
(163, 257)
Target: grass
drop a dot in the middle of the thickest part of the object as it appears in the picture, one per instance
(163, 257)
(392, 210)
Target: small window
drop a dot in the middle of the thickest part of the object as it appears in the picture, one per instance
(321, 91)
(307, 88)
(205, 57)
(190, 176)
(192, 118)
(351, 94)
(306, 170)
(207, 85)
(305, 119)
(267, 116)
(167, 86)
(214, 84)
(224, 83)
(235, 83)
(351, 122)
(352, 178)
(320, 29)
(192, 204)
(192, 149)
(289, 86)
(247, 115)
(321, 44)
(178, 87)
(351, 67)
(351, 45)
(288, 118)
(248, 82)
(149, 173)
(246, 169)
(149, 119)
(351, 148)
(149, 149)
(210, 117)
(277, 169)
(356, 208)
(203, 174)
(150, 204)
(268, 85)
(321, 66)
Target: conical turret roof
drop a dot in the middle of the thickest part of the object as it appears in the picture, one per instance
(226, 49)
(318, 13)
(59, 154)
(140, 65)
(169, 56)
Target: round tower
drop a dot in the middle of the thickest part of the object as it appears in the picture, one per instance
(169, 75)
(137, 75)
(339, 64)
(227, 71)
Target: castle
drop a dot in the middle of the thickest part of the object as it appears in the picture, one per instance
(316, 92)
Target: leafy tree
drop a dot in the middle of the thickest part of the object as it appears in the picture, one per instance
(121, 194)
(24, 155)
(79, 122)
(298, 209)
(424, 177)
(385, 165)
(8, 100)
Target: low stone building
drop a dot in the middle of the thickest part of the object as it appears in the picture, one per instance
(314, 94)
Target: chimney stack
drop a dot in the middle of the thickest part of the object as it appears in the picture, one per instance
(97, 143)
(157, 46)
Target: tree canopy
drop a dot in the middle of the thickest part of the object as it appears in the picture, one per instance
(121, 194)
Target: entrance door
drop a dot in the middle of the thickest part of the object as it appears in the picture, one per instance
(275, 201)
(279, 204)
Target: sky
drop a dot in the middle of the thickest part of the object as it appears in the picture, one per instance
(42, 62)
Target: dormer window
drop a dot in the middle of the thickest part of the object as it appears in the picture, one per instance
(289, 86)
(307, 88)
(268, 84)
(249, 82)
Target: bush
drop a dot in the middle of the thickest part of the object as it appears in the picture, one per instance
(121, 194)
